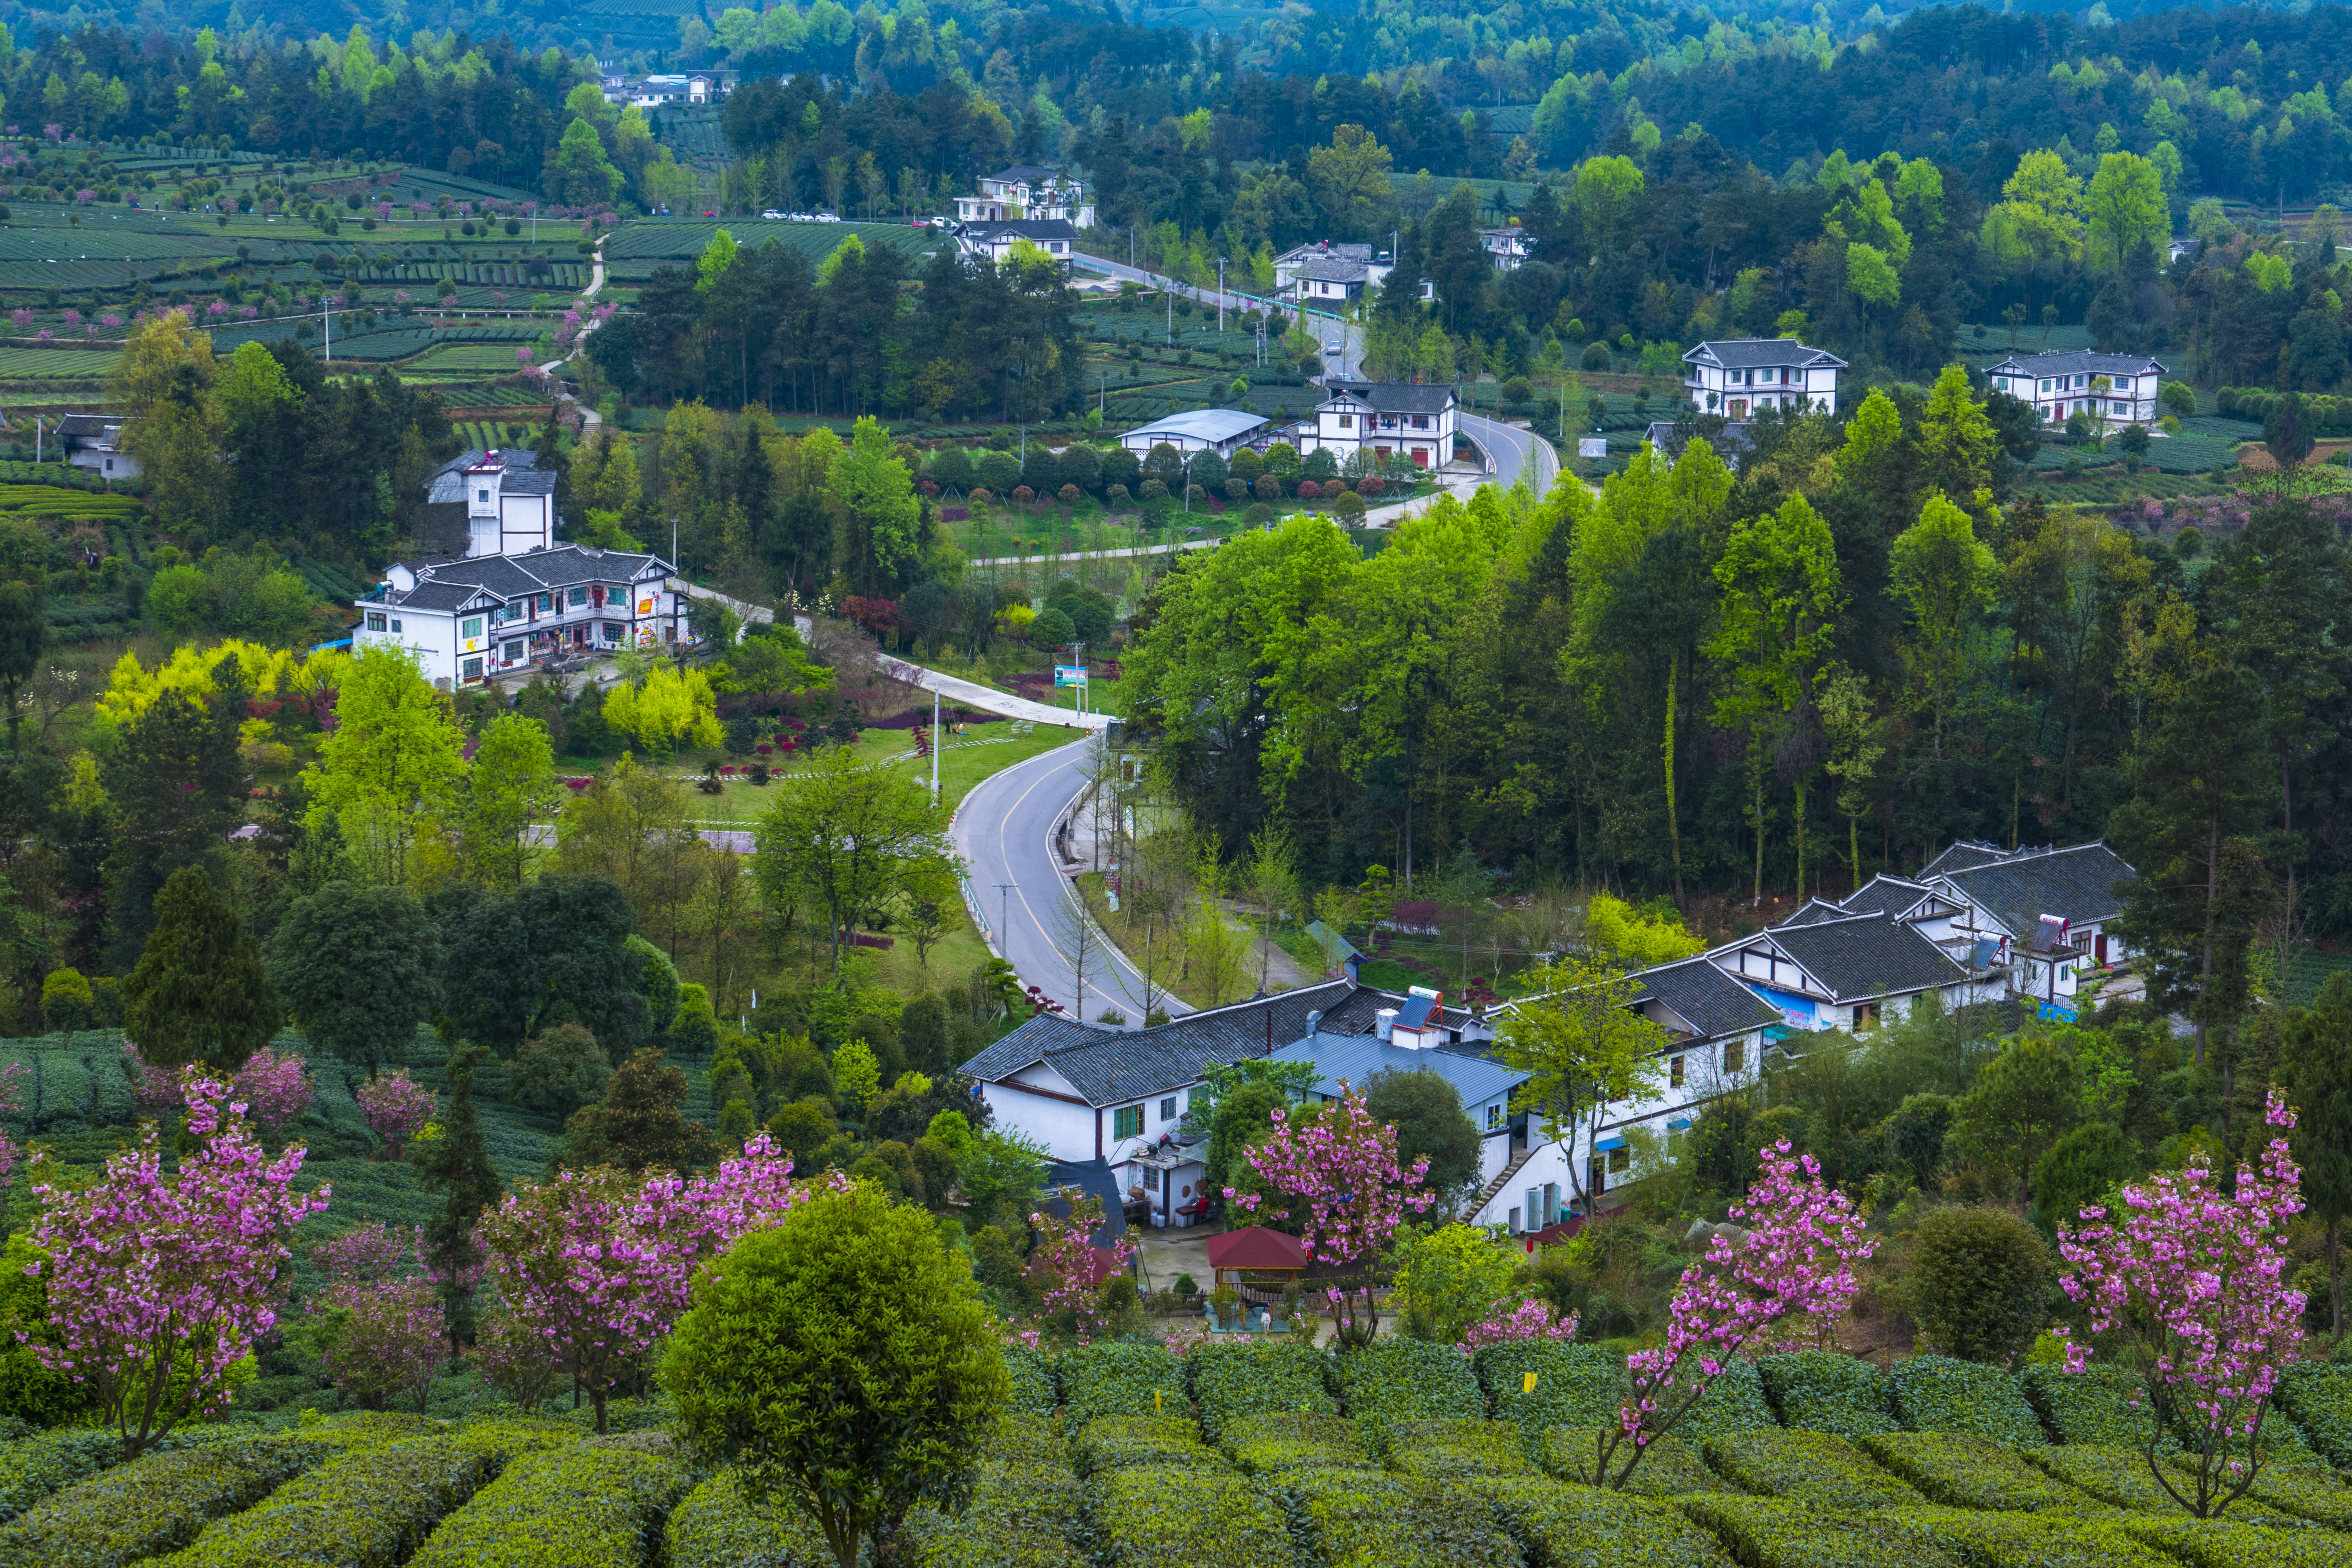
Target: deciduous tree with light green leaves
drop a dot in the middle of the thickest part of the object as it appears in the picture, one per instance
(1577, 1036)
(1944, 575)
(1446, 1279)
(509, 788)
(669, 707)
(883, 522)
(2127, 207)
(840, 840)
(392, 756)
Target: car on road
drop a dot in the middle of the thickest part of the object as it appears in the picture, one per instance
(772, 215)
(1332, 349)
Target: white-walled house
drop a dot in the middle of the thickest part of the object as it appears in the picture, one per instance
(93, 442)
(1027, 191)
(2122, 387)
(2051, 911)
(997, 241)
(1740, 377)
(1386, 418)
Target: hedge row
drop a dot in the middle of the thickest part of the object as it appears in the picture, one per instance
(33, 1467)
(2119, 1477)
(591, 1505)
(1819, 1390)
(1234, 1380)
(1117, 1442)
(1819, 1469)
(1354, 1519)
(718, 1526)
(2307, 1491)
(2224, 1544)
(1583, 1526)
(1766, 1532)
(1288, 1440)
(2319, 1398)
(1445, 1450)
(161, 1502)
(1155, 1515)
(1122, 1378)
(2090, 1406)
(1409, 1380)
(2022, 1539)
(1019, 1517)
(1576, 1385)
(1960, 1470)
(1939, 1393)
(1669, 1466)
(1035, 1387)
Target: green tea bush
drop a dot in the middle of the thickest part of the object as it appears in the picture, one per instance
(1288, 1440)
(2319, 1398)
(1116, 1442)
(1588, 1528)
(717, 1527)
(1821, 1391)
(369, 1509)
(1734, 1402)
(1016, 1518)
(33, 1467)
(1354, 1519)
(1669, 1467)
(1037, 1440)
(1576, 1385)
(153, 1505)
(579, 1507)
(2023, 1541)
(2307, 1491)
(2093, 1406)
(1033, 1388)
(1939, 1394)
(1447, 1449)
(1120, 1378)
(2119, 1477)
(1960, 1470)
(1762, 1533)
(2222, 1543)
(1409, 1380)
(1233, 1380)
(1160, 1516)
(1819, 1469)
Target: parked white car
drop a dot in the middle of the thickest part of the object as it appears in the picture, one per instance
(772, 215)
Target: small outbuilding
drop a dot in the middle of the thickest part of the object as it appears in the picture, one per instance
(1255, 1257)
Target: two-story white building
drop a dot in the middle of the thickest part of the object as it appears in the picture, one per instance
(1386, 418)
(93, 442)
(997, 241)
(1509, 246)
(2121, 387)
(1739, 377)
(1028, 191)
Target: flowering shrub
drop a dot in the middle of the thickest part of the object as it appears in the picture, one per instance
(276, 1090)
(1529, 1320)
(1070, 1271)
(2188, 1285)
(367, 1255)
(156, 1090)
(395, 1108)
(158, 1285)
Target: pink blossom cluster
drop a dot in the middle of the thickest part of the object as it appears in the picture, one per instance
(144, 1269)
(109, 319)
(275, 1090)
(397, 1108)
(2189, 1286)
(1787, 1278)
(72, 317)
(599, 1266)
(1072, 1270)
(365, 1255)
(522, 356)
(392, 1336)
(156, 1090)
(11, 1091)
(21, 317)
(1509, 1324)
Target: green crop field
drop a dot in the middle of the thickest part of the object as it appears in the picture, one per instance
(50, 501)
(496, 360)
(682, 240)
(57, 365)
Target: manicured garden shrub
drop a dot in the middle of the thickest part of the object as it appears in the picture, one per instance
(1734, 1402)
(1033, 1387)
(1821, 1391)
(1037, 1440)
(1354, 1519)
(33, 1467)
(369, 1509)
(1120, 1379)
(2307, 1491)
(2118, 1477)
(1163, 1516)
(2319, 1398)
(1018, 1518)
(1576, 1385)
(2224, 1544)
(1409, 1380)
(1288, 1440)
(155, 1504)
(586, 1506)
(1590, 1528)
(1233, 1380)
(1960, 1470)
(2088, 1407)
(1117, 1441)
(717, 1527)
(1762, 1533)
(1819, 1469)
(1445, 1449)
(1670, 1466)
(2023, 1540)
(1939, 1394)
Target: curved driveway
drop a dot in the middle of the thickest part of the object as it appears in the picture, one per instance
(1003, 830)
(1513, 450)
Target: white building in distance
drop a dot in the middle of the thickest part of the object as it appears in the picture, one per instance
(1739, 377)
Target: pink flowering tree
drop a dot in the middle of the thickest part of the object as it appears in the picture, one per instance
(1337, 1175)
(275, 1090)
(2187, 1286)
(1786, 1278)
(156, 1090)
(396, 1109)
(598, 1265)
(158, 1284)
(11, 1091)
(379, 1325)
(1517, 1323)
(1070, 1271)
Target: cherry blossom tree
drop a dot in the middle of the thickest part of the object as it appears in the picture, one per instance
(1788, 1275)
(158, 1284)
(396, 1109)
(156, 1090)
(276, 1090)
(382, 1329)
(1338, 1175)
(1071, 1270)
(10, 1092)
(2187, 1285)
(1516, 1322)
(598, 1264)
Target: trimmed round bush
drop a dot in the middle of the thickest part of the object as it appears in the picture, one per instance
(1822, 1390)
(1980, 1284)
(1232, 1379)
(1937, 1394)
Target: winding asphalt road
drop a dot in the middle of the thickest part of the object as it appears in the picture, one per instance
(1513, 450)
(1005, 833)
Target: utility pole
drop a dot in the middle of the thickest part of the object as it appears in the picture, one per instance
(1170, 292)
(1220, 295)
(1004, 918)
(1102, 391)
(327, 324)
(936, 736)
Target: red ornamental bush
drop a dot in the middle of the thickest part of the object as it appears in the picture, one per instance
(1269, 488)
(979, 496)
(1023, 494)
(1309, 491)
(1370, 484)
(1068, 495)
(927, 487)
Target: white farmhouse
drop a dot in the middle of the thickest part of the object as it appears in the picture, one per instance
(1027, 191)
(1737, 377)
(1385, 418)
(93, 443)
(1509, 246)
(2121, 387)
(997, 240)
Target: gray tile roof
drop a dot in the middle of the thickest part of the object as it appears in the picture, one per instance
(1397, 397)
(513, 578)
(1884, 894)
(2077, 362)
(1731, 443)
(432, 595)
(1021, 228)
(528, 482)
(1346, 251)
(1862, 956)
(1815, 911)
(1964, 854)
(85, 423)
(2018, 889)
(1032, 173)
(1112, 1067)
(1755, 354)
(1704, 998)
(1356, 1058)
(1330, 268)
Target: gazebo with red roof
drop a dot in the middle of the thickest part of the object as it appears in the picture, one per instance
(1256, 1256)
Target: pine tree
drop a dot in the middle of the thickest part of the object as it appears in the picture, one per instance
(641, 1124)
(459, 1163)
(199, 992)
